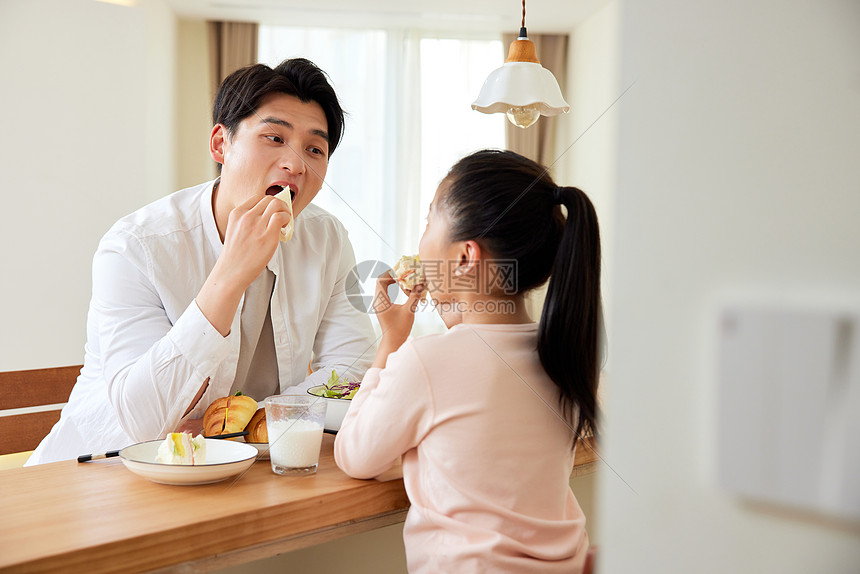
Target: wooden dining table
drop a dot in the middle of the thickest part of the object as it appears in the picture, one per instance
(100, 517)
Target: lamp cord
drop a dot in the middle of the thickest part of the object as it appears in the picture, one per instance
(524, 14)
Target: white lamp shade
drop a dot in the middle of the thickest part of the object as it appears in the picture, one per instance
(518, 84)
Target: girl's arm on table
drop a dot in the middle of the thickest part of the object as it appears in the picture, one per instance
(393, 408)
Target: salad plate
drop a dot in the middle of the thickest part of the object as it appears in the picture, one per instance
(335, 409)
(224, 458)
(338, 393)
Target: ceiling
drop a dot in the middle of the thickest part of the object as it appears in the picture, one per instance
(475, 16)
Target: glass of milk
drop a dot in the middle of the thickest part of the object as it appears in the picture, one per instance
(295, 427)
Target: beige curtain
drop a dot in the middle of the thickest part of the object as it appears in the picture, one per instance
(538, 141)
(232, 45)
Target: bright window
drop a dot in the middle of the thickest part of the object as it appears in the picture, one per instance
(408, 99)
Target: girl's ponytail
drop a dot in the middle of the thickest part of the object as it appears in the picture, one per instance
(569, 332)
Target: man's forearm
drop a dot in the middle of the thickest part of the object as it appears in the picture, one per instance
(218, 300)
(197, 397)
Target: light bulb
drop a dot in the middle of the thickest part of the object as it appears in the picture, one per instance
(523, 116)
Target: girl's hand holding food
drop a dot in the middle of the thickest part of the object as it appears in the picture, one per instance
(395, 320)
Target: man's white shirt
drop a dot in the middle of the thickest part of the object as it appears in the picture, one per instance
(149, 348)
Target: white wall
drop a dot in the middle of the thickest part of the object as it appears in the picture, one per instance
(586, 140)
(87, 98)
(586, 147)
(194, 100)
(737, 170)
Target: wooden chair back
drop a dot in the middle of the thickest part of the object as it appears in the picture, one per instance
(48, 389)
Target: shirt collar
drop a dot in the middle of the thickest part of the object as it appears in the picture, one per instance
(207, 215)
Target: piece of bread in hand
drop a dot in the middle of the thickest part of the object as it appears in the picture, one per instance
(287, 230)
(409, 273)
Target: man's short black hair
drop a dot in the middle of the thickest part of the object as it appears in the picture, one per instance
(242, 92)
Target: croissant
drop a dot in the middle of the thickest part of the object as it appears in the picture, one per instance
(257, 431)
(228, 415)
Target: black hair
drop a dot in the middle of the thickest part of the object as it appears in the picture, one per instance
(242, 92)
(511, 207)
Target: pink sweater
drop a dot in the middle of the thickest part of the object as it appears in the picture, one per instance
(486, 458)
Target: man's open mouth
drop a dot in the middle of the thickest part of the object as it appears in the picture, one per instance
(276, 189)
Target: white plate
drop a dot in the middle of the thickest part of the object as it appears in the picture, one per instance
(224, 458)
(335, 409)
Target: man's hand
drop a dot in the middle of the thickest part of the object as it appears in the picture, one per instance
(253, 232)
(251, 238)
(194, 426)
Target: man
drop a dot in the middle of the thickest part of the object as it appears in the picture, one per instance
(195, 297)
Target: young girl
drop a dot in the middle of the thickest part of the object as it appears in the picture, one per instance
(486, 415)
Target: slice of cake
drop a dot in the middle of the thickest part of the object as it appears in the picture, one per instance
(180, 448)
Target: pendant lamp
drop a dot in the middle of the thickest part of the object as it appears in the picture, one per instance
(522, 88)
